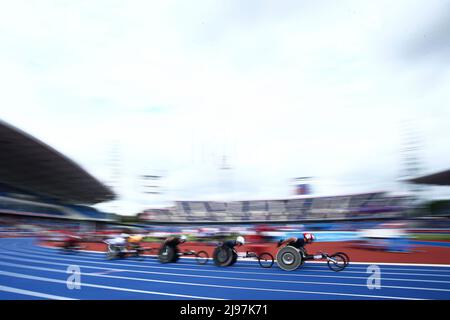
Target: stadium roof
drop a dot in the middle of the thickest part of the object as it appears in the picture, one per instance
(31, 165)
(440, 178)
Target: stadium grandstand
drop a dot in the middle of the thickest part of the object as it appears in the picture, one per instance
(375, 205)
(438, 207)
(40, 186)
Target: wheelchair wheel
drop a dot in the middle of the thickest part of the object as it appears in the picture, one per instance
(347, 258)
(177, 254)
(112, 253)
(223, 256)
(202, 257)
(303, 255)
(289, 258)
(265, 260)
(339, 263)
(168, 254)
(235, 257)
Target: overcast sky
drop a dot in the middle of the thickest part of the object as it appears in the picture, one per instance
(282, 88)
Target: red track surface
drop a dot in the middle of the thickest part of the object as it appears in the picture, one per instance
(420, 254)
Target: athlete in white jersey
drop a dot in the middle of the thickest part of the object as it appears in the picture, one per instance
(118, 243)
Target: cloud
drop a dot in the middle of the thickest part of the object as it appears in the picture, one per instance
(432, 39)
(282, 89)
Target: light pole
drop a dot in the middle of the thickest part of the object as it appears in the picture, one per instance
(152, 185)
(412, 165)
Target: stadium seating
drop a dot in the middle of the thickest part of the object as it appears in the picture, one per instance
(300, 209)
(19, 206)
(88, 212)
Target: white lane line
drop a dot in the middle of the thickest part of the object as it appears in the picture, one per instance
(33, 293)
(108, 270)
(41, 247)
(319, 262)
(101, 272)
(84, 284)
(215, 277)
(149, 272)
(403, 264)
(209, 285)
(139, 264)
(310, 263)
(31, 242)
(200, 269)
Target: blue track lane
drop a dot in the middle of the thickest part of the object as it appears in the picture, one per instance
(28, 271)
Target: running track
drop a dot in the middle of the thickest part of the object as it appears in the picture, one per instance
(31, 272)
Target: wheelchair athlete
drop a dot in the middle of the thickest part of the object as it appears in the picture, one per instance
(175, 241)
(300, 244)
(134, 244)
(134, 241)
(71, 242)
(117, 245)
(234, 243)
(169, 251)
(225, 254)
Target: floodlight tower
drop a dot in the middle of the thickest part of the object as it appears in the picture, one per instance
(411, 158)
(114, 163)
(226, 176)
(152, 184)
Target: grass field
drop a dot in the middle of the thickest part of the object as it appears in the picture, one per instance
(432, 236)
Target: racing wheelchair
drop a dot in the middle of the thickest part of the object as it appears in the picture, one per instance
(224, 257)
(71, 246)
(169, 254)
(290, 258)
(121, 252)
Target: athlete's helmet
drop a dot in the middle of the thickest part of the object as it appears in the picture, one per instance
(240, 239)
(309, 237)
(125, 235)
(183, 238)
